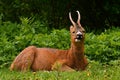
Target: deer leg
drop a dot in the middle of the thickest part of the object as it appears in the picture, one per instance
(24, 60)
(61, 66)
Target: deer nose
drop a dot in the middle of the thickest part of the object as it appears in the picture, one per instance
(79, 35)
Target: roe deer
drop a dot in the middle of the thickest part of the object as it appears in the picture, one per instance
(35, 59)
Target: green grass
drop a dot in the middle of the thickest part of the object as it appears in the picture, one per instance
(95, 71)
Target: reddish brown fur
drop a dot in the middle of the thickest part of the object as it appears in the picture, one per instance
(47, 58)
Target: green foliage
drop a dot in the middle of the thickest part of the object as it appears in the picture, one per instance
(15, 37)
(103, 47)
(95, 71)
(95, 14)
(55, 39)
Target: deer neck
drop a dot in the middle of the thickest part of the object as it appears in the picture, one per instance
(76, 57)
(77, 50)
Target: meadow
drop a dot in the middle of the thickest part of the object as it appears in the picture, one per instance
(95, 71)
(101, 48)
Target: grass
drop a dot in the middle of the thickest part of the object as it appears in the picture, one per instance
(95, 71)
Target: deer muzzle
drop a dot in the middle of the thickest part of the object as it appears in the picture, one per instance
(79, 36)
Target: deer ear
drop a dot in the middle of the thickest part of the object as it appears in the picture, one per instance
(71, 27)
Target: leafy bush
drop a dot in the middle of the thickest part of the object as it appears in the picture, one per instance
(104, 47)
(56, 39)
(15, 37)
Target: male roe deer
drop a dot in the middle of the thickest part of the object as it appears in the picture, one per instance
(35, 59)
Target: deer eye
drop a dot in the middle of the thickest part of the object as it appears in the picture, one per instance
(73, 32)
(83, 31)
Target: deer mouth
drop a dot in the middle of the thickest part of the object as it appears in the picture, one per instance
(78, 38)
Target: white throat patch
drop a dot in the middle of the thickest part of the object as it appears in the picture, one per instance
(77, 40)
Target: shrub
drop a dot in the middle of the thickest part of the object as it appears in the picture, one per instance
(56, 39)
(104, 47)
(15, 37)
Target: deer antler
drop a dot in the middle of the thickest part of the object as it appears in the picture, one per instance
(71, 19)
(78, 21)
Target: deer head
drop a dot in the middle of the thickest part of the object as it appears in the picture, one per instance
(76, 30)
